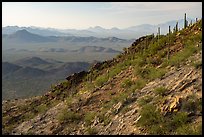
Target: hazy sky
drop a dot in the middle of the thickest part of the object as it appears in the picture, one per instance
(82, 15)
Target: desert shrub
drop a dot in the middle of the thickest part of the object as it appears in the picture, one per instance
(140, 83)
(160, 91)
(155, 61)
(191, 104)
(158, 129)
(198, 129)
(100, 80)
(89, 117)
(157, 124)
(69, 100)
(114, 71)
(42, 108)
(140, 60)
(156, 73)
(145, 100)
(158, 45)
(150, 73)
(127, 63)
(126, 83)
(197, 64)
(192, 39)
(65, 83)
(181, 56)
(69, 116)
(102, 118)
(120, 97)
(149, 116)
(89, 86)
(162, 53)
(92, 131)
(179, 119)
(125, 109)
(185, 129)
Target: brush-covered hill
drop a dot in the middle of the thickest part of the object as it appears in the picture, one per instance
(139, 92)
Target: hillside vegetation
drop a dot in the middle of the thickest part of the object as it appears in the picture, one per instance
(153, 87)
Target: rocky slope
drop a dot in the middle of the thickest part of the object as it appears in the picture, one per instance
(140, 92)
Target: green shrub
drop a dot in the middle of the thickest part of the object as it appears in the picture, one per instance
(191, 104)
(140, 60)
(114, 71)
(100, 80)
(69, 100)
(89, 86)
(181, 56)
(92, 131)
(120, 97)
(126, 83)
(185, 129)
(145, 100)
(102, 118)
(69, 116)
(89, 117)
(125, 109)
(149, 116)
(156, 73)
(150, 73)
(140, 83)
(42, 108)
(179, 119)
(160, 91)
(197, 64)
(157, 129)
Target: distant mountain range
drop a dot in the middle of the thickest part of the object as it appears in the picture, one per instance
(32, 75)
(132, 32)
(24, 36)
(96, 49)
(85, 49)
(31, 61)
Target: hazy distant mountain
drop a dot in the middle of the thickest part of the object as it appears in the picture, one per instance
(31, 62)
(9, 68)
(35, 30)
(29, 72)
(27, 80)
(95, 49)
(25, 36)
(53, 50)
(13, 70)
(70, 68)
(131, 32)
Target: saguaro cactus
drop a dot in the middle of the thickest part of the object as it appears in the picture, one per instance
(158, 34)
(177, 26)
(185, 21)
(169, 43)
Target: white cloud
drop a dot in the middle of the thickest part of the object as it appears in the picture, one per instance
(154, 6)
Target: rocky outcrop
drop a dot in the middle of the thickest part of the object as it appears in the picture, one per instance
(76, 77)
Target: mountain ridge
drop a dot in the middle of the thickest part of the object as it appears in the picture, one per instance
(97, 31)
(153, 87)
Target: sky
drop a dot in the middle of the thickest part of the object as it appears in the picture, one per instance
(82, 15)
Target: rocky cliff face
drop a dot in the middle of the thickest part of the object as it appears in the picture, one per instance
(139, 92)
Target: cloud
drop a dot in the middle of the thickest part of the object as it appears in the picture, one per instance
(119, 7)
